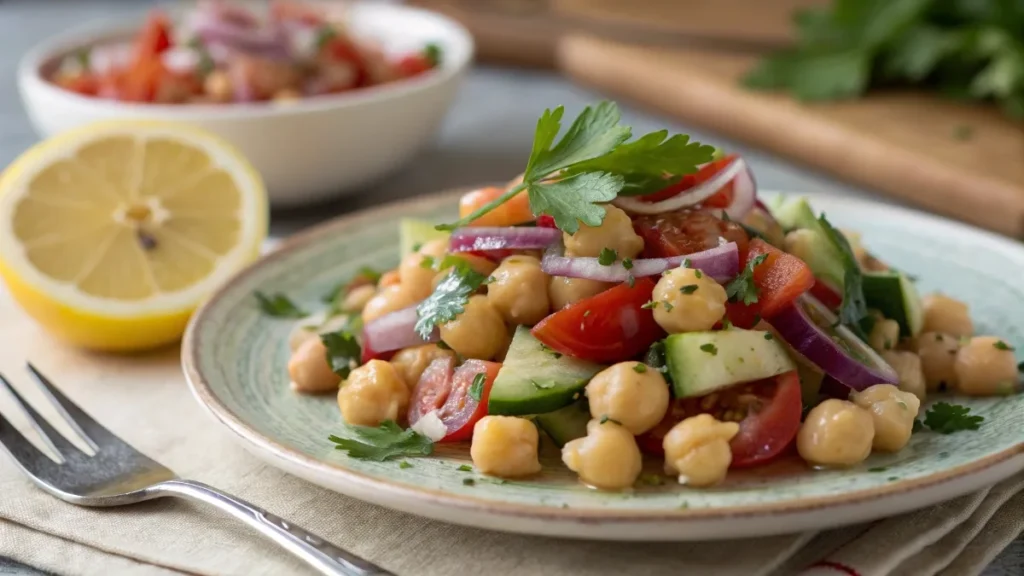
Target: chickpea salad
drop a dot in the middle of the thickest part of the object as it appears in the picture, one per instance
(633, 298)
(224, 52)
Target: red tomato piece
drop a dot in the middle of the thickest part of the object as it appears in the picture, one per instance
(609, 327)
(340, 49)
(721, 199)
(771, 423)
(461, 411)
(431, 392)
(546, 221)
(827, 295)
(85, 84)
(780, 280)
(153, 38)
(686, 232)
(413, 65)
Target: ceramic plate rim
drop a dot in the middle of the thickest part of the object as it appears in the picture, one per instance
(353, 483)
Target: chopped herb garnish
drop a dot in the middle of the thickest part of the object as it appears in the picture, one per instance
(465, 468)
(449, 298)
(1020, 367)
(918, 426)
(668, 305)
(605, 418)
(443, 345)
(652, 479)
(946, 418)
(698, 274)
(630, 280)
(1000, 345)
(416, 247)
(404, 464)
(385, 441)
(649, 305)
(586, 313)
(709, 348)
(769, 336)
(627, 263)
(324, 34)
(607, 257)
(878, 469)
(743, 288)
(476, 389)
(892, 478)
(726, 324)
(343, 352)
(279, 306)
(468, 482)
(687, 263)
(684, 505)
(639, 368)
(689, 288)
(432, 52)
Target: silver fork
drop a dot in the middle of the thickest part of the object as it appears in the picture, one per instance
(118, 475)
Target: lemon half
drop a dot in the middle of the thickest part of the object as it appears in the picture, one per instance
(113, 233)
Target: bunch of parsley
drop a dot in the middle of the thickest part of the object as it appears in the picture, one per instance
(971, 49)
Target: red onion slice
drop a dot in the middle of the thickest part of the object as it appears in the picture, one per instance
(744, 194)
(217, 27)
(807, 326)
(744, 190)
(721, 263)
(395, 331)
(502, 238)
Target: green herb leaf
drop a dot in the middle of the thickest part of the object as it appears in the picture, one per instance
(476, 389)
(743, 288)
(448, 299)
(607, 257)
(386, 441)
(946, 418)
(433, 54)
(465, 468)
(918, 426)
(627, 263)
(639, 368)
(404, 464)
(1000, 345)
(468, 481)
(769, 336)
(343, 352)
(689, 288)
(605, 418)
(709, 348)
(279, 306)
(650, 161)
(575, 199)
(594, 133)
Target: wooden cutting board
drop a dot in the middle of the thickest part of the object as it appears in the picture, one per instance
(963, 161)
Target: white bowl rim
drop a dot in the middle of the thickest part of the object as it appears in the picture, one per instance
(31, 65)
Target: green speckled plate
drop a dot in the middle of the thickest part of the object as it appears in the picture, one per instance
(235, 360)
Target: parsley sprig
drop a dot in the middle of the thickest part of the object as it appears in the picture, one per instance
(591, 164)
(946, 418)
(343, 351)
(743, 288)
(279, 306)
(448, 299)
(386, 441)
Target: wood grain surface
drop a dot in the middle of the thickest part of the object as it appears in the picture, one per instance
(963, 161)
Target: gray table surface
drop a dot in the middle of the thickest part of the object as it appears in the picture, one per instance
(484, 138)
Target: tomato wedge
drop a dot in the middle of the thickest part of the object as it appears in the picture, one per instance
(609, 327)
(450, 393)
(780, 279)
(827, 295)
(431, 392)
(686, 232)
(721, 199)
(771, 423)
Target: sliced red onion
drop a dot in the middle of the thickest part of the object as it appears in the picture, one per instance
(721, 263)
(213, 27)
(395, 331)
(813, 330)
(698, 193)
(744, 194)
(483, 239)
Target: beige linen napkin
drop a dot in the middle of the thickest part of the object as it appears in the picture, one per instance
(145, 400)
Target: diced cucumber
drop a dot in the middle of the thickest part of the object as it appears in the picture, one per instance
(413, 233)
(535, 379)
(702, 362)
(792, 213)
(895, 296)
(812, 244)
(566, 424)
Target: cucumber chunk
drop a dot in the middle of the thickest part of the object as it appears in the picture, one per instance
(702, 362)
(895, 296)
(535, 379)
(413, 233)
(566, 424)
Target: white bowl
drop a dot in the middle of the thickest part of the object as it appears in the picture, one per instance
(306, 150)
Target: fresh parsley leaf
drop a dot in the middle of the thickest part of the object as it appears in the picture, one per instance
(855, 306)
(648, 159)
(468, 481)
(404, 464)
(343, 352)
(476, 389)
(627, 263)
(1020, 367)
(1000, 345)
(946, 418)
(769, 336)
(709, 348)
(607, 257)
(279, 306)
(594, 133)
(433, 53)
(386, 441)
(448, 299)
(575, 199)
(639, 368)
(743, 288)
(649, 305)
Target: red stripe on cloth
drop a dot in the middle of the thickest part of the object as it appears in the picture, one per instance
(837, 567)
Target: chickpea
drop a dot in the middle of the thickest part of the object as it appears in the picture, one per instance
(416, 271)
(986, 366)
(389, 278)
(479, 332)
(564, 291)
(391, 299)
(697, 450)
(908, 370)
(217, 86)
(687, 300)
(615, 233)
(892, 411)
(411, 362)
(946, 315)
(836, 433)
(505, 446)
(763, 223)
(607, 457)
(358, 297)
(884, 335)
(938, 358)
(309, 370)
(637, 400)
(520, 290)
(373, 393)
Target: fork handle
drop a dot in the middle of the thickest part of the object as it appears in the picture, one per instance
(319, 553)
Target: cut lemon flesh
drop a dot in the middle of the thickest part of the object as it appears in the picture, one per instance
(112, 234)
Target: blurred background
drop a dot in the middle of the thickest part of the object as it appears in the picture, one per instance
(909, 101)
